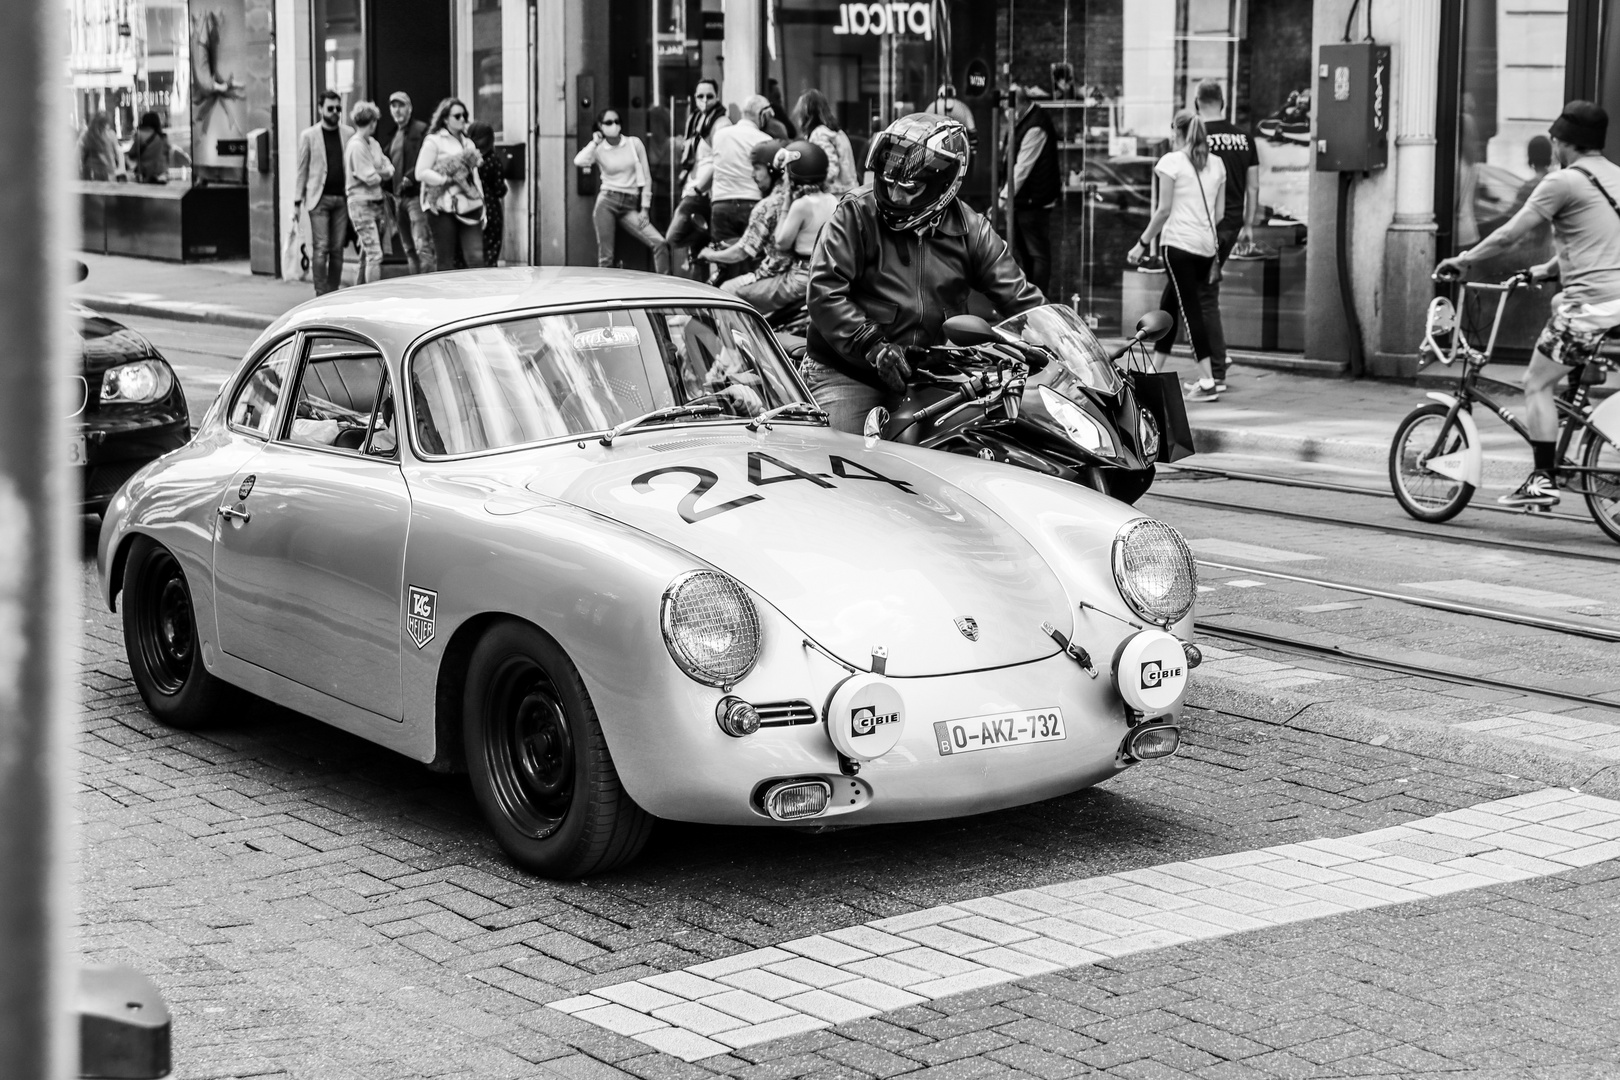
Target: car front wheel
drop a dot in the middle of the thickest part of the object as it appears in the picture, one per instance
(539, 765)
(161, 640)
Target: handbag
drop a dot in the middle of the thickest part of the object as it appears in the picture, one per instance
(1214, 277)
(1159, 392)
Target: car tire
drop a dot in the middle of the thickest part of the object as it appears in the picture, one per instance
(539, 765)
(161, 641)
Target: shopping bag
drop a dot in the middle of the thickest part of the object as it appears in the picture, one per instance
(1159, 392)
(295, 253)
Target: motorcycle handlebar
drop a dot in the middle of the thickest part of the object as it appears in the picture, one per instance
(943, 405)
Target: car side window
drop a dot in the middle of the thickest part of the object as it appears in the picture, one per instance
(254, 408)
(339, 388)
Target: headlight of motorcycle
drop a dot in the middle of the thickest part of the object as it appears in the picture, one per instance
(710, 627)
(1085, 431)
(1147, 434)
(139, 383)
(1155, 571)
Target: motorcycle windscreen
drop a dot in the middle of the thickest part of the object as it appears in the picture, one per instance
(1071, 343)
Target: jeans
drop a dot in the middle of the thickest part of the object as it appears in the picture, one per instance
(449, 232)
(768, 294)
(367, 215)
(728, 220)
(846, 400)
(328, 227)
(1032, 243)
(622, 209)
(1183, 298)
(689, 226)
(1211, 306)
(415, 234)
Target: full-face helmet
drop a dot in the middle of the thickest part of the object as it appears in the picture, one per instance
(918, 163)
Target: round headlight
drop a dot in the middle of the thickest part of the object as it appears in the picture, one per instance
(1080, 427)
(710, 627)
(1155, 571)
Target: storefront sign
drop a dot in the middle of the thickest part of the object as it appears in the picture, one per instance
(886, 19)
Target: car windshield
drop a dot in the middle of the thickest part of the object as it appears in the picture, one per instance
(539, 377)
(1070, 341)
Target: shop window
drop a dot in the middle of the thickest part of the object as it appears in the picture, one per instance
(487, 100)
(1511, 90)
(341, 40)
(127, 60)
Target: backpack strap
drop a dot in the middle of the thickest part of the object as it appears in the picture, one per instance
(1601, 189)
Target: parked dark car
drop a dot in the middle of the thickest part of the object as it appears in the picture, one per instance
(127, 407)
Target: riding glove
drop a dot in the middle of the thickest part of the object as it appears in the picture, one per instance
(889, 360)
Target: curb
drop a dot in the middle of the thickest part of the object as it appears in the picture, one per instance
(1370, 457)
(1410, 734)
(178, 311)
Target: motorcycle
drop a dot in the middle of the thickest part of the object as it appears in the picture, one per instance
(1082, 423)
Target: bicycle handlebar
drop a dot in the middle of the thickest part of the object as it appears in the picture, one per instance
(1518, 279)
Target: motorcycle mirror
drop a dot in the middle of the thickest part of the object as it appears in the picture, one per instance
(80, 271)
(875, 421)
(1154, 325)
(967, 330)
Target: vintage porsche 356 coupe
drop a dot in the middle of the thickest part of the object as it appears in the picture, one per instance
(583, 534)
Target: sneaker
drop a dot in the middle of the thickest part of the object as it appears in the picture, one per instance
(1220, 386)
(1538, 489)
(1196, 392)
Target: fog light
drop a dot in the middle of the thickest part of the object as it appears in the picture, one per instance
(1193, 653)
(736, 717)
(797, 799)
(1160, 740)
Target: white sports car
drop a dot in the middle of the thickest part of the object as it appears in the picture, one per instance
(582, 534)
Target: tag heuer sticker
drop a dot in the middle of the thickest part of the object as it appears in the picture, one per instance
(424, 605)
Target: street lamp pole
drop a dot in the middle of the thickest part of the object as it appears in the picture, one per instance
(36, 597)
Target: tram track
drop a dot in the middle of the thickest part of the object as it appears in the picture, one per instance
(1348, 656)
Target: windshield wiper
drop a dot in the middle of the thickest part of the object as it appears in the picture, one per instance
(807, 408)
(667, 413)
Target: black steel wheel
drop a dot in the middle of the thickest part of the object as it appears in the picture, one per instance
(162, 642)
(540, 767)
(1602, 484)
(1422, 493)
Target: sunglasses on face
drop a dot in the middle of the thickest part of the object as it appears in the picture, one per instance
(458, 116)
(333, 109)
(610, 123)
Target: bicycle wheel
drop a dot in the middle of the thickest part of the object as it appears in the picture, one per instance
(1603, 486)
(1423, 493)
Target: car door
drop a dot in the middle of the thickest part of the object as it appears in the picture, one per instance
(309, 547)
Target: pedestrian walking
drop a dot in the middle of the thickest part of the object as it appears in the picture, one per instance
(322, 192)
(1240, 214)
(733, 191)
(366, 169)
(1034, 186)
(452, 193)
(815, 118)
(492, 175)
(149, 151)
(624, 190)
(410, 220)
(1191, 185)
(100, 157)
(690, 222)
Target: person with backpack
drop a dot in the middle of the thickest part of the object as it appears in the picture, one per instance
(1581, 201)
(1191, 194)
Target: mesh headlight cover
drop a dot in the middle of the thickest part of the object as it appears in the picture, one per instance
(1155, 571)
(710, 627)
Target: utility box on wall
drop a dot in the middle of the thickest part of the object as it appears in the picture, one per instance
(1352, 107)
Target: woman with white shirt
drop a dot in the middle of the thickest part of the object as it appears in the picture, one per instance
(452, 194)
(1191, 195)
(624, 190)
(365, 167)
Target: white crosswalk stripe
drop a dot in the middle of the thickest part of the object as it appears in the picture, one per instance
(858, 971)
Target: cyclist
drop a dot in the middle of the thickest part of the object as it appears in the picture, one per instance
(1579, 200)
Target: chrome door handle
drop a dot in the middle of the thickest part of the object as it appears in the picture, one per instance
(228, 512)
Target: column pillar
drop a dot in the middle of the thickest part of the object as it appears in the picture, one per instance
(1410, 241)
(739, 72)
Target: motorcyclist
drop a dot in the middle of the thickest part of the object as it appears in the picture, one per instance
(896, 260)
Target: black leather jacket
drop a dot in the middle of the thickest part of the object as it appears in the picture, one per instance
(871, 284)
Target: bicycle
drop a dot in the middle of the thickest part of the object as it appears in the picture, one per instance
(1436, 460)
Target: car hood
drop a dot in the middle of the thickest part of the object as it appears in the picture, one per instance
(860, 547)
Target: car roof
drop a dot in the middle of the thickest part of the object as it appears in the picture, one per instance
(396, 311)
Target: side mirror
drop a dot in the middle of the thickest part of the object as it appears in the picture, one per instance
(968, 330)
(877, 418)
(1154, 325)
(80, 271)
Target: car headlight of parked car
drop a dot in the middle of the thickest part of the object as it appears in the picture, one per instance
(710, 627)
(1080, 427)
(139, 383)
(1155, 571)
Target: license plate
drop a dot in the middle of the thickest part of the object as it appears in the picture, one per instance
(999, 729)
(76, 454)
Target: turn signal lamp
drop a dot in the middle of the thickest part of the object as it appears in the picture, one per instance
(1157, 741)
(736, 717)
(797, 799)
